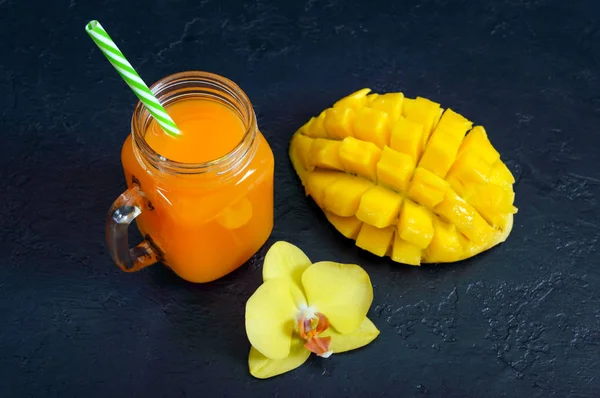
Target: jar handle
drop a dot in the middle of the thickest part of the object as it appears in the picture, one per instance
(122, 213)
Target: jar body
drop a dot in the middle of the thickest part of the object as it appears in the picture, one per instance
(205, 226)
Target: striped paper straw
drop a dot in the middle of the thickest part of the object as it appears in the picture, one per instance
(133, 80)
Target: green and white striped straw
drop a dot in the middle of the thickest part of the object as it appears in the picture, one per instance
(133, 80)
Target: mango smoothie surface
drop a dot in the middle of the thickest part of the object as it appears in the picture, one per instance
(209, 130)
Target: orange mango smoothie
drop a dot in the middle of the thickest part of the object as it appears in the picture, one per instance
(204, 221)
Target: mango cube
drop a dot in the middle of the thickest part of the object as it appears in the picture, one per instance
(407, 137)
(360, 157)
(379, 207)
(315, 127)
(454, 125)
(389, 103)
(437, 118)
(338, 122)
(407, 105)
(325, 154)
(318, 181)
(343, 196)
(394, 169)
(477, 143)
(440, 153)
(427, 188)
(492, 202)
(501, 175)
(444, 143)
(416, 224)
(446, 245)
(372, 125)
(466, 219)
(470, 169)
(405, 252)
(375, 240)
(347, 226)
(424, 112)
(301, 146)
(501, 199)
(371, 97)
(456, 185)
(356, 100)
(304, 128)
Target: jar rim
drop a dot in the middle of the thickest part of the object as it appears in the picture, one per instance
(141, 119)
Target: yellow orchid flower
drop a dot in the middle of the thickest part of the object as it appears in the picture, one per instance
(302, 308)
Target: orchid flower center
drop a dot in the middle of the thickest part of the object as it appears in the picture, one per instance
(310, 325)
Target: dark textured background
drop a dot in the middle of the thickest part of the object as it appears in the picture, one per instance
(521, 320)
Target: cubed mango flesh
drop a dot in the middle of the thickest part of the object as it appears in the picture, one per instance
(325, 153)
(405, 252)
(407, 137)
(360, 157)
(477, 143)
(407, 105)
(356, 100)
(424, 112)
(390, 103)
(347, 226)
(416, 224)
(443, 145)
(501, 175)
(427, 188)
(454, 125)
(440, 153)
(373, 125)
(437, 119)
(394, 169)
(343, 196)
(466, 219)
(446, 245)
(379, 207)
(315, 127)
(338, 122)
(318, 181)
(375, 240)
(492, 202)
(371, 97)
(301, 145)
(456, 185)
(470, 169)
(401, 178)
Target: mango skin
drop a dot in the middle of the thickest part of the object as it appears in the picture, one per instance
(405, 178)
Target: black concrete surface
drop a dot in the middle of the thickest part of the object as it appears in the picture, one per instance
(522, 320)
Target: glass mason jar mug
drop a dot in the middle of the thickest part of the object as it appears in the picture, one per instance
(203, 220)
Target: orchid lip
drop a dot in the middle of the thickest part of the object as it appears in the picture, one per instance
(310, 328)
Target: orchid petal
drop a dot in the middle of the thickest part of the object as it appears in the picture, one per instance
(262, 367)
(342, 292)
(362, 336)
(286, 260)
(270, 313)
